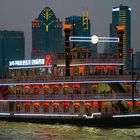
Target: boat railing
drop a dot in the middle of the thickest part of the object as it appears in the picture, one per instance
(71, 96)
(34, 79)
(93, 60)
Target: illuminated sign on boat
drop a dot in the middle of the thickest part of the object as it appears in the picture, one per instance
(27, 62)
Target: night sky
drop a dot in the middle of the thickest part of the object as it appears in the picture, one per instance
(18, 15)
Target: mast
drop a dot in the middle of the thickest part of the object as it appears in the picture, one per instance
(67, 30)
(120, 30)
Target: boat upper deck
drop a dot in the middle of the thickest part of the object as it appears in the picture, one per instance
(67, 79)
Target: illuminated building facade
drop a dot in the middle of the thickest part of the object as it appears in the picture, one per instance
(12, 47)
(46, 34)
(121, 16)
(80, 27)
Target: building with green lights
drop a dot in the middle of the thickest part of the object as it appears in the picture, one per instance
(46, 34)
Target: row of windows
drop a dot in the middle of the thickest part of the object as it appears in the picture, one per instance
(35, 92)
(56, 109)
(60, 71)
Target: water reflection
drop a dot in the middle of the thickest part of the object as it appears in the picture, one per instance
(29, 131)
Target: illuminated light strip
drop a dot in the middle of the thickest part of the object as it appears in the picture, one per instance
(81, 37)
(129, 9)
(92, 115)
(112, 38)
(81, 82)
(108, 39)
(93, 39)
(115, 9)
(129, 115)
(47, 115)
(80, 40)
(25, 67)
(5, 114)
(99, 64)
(74, 100)
(62, 65)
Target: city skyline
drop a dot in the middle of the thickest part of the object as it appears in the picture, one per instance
(18, 15)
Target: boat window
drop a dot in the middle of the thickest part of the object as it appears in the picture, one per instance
(17, 91)
(36, 108)
(45, 91)
(66, 108)
(4, 107)
(55, 108)
(36, 91)
(27, 108)
(46, 108)
(76, 109)
(88, 109)
(18, 108)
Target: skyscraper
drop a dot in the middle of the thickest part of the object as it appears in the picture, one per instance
(12, 47)
(46, 34)
(80, 27)
(137, 60)
(122, 16)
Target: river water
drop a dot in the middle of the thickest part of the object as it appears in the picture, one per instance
(30, 131)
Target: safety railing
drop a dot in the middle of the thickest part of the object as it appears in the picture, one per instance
(71, 96)
(45, 79)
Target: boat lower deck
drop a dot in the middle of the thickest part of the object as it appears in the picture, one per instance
(110, 122)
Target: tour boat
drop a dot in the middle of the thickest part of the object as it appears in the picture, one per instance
(75, 88)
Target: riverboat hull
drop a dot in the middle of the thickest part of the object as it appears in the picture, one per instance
(108, 122)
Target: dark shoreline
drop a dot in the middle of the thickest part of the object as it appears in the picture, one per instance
(124, 122)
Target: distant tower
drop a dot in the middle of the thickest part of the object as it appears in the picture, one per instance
(122, 16)
(46, 34)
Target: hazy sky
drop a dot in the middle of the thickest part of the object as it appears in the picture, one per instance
(18, 15)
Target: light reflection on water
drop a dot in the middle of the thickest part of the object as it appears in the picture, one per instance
(29, 131)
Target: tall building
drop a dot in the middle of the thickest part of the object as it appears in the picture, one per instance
(46, 34)
(138, 59)
(122, 16)
(80, 27)
(137, 62)
(12, 47)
